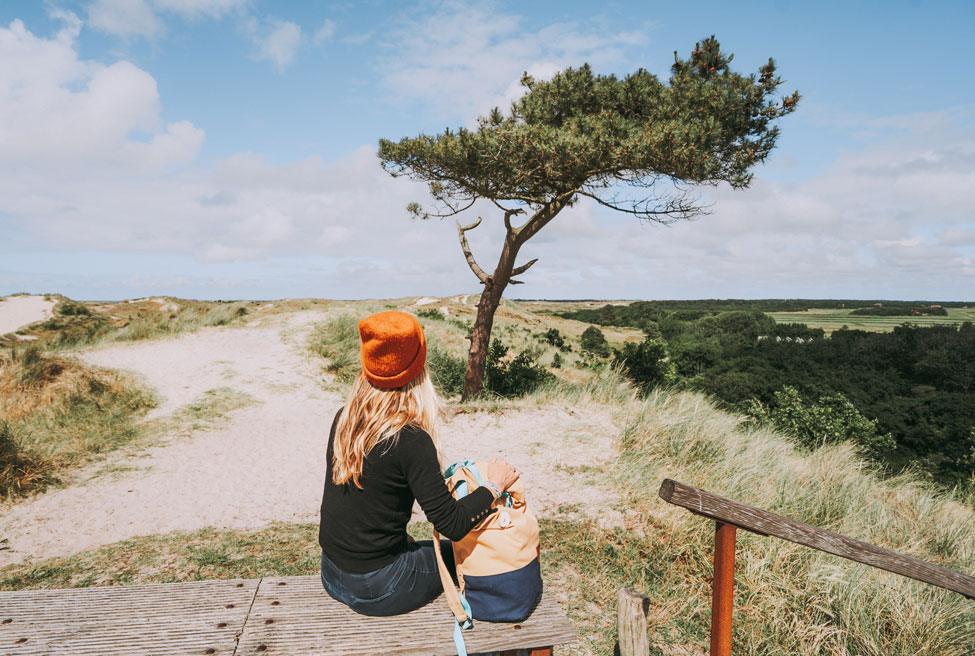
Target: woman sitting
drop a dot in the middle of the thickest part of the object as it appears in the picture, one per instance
(381, 457)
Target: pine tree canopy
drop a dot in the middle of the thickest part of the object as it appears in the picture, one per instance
(581, 134)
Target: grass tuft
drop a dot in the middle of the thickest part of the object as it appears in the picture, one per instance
(56, 411)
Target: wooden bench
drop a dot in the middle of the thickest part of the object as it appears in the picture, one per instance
(289, 616)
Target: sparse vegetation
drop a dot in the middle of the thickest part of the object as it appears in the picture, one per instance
(789, 599)
(77, 324)
(55, 412)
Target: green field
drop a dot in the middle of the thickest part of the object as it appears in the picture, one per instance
(830, 320)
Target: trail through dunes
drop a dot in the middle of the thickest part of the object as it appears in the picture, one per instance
(264, 460)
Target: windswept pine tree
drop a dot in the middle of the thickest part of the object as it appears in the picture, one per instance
(635, 145)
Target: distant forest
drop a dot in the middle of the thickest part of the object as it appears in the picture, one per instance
(907, 396)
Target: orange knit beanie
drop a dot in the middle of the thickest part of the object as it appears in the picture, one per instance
(394, 348)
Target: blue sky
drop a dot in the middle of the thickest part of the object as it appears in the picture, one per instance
(226, 149)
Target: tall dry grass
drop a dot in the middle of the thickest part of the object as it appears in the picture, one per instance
(789, 599)
(55, 411)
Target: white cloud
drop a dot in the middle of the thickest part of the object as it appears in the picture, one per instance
(275, 41)
(325, 32)
(197, 8)
(125, 18)
(58, 112)
(465, 60)
(86, 164)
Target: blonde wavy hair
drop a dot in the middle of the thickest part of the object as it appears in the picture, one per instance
(372, 416)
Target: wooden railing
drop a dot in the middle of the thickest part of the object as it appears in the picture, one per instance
(729, 516)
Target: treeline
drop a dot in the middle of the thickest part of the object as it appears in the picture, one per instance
(902, 311)
(636, 314)
(907, 397)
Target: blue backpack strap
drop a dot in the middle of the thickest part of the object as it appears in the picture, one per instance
(459, 629)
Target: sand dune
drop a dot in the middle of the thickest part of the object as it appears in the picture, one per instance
(19, 311)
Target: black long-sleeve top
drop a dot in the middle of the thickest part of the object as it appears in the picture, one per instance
(364, 529)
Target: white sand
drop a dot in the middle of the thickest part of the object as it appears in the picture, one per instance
(266, 463)
(19, 311)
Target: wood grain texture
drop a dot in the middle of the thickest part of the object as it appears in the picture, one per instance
(281, 615)
(763, 522)
(631, 623)
(305, 620)
(173, 618)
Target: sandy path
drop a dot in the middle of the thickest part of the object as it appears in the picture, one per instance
(266, 462)
(19, 311)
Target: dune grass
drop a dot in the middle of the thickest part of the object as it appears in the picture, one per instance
(789, 599)
(76, 324)
(56, 411)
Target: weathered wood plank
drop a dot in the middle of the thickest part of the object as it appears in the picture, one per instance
(299, 618)
(282, 615)
(764, 522)
(176, 618)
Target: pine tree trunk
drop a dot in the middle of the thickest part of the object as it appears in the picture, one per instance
(481, 334)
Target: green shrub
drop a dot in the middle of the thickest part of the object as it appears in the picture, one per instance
(69, 308)
(828, 420)
(429, 313)
(557, 361)
(555, 338)
(593, 341)
(516, 377)
(645, 363)
(447, 370)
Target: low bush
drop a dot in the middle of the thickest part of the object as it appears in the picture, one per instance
(593, 341)
(447, 370)
(516, 377)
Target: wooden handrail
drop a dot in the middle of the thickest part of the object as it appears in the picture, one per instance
(764, 522)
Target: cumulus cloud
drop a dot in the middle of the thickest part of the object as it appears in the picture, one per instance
(59, 112)
(274, 40)
(463, 60)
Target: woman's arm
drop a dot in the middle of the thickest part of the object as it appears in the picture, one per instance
(453, 518)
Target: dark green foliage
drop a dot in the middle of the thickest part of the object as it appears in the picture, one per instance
(901, 311)
(827, 420)
(581, 131)
(645, 363)
(515, 377)
(635, 314)
(446, 370)
(555, 338)
(430, 313)
(557, 361)
(69, 308)
(593, 341)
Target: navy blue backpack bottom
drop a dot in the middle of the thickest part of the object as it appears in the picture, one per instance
(507, 597)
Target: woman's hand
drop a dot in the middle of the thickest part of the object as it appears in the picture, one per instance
(502, 474)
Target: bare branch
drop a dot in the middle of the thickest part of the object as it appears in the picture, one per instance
(659, 210)
(516, 282)
(517, 271)
(478, 271)
(507, 220)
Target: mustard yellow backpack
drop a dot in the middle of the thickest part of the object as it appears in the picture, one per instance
(498, 567)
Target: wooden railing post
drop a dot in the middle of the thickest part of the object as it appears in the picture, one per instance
(723, 588)
(631, 623)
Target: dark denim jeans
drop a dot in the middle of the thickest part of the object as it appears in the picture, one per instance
(407, 583)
